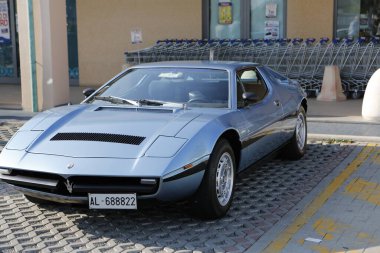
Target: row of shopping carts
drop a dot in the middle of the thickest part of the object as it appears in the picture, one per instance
(300, 59)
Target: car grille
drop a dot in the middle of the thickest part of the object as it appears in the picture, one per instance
(101, 137)
(77, 186)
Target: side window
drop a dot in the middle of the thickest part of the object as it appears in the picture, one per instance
(253, 83)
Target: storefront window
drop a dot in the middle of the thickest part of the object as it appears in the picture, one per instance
(6, 45)
(267, 19)
(224, 19)
(358, 18)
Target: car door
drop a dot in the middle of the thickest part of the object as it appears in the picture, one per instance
(262, 113)
(289, 94)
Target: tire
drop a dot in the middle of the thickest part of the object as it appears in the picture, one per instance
(355, 95)
(209, 203)
(309, 93)
(296, 148)
(36, 201)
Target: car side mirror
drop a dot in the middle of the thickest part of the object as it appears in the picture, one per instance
(249, 97)
(88, 92)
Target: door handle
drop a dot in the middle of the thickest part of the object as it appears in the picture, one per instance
(276, 103)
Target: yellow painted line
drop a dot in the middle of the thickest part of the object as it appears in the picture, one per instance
(376, 157)
(364, 190)
(282, 240)
(327, 227)
(320, 249)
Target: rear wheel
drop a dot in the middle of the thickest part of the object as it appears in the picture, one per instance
(296, 148)
(214, 196)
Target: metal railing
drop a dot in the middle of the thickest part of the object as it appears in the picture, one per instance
(299, 59)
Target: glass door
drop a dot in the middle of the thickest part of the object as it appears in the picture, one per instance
(357, 18)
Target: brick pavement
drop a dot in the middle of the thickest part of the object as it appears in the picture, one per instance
(345, 217)
(262, 198)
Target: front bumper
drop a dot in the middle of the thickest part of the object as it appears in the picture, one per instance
(79, 186)
(52, 197)
(75, 189)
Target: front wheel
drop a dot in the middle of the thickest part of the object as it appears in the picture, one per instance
(214, 196)
(296, 148)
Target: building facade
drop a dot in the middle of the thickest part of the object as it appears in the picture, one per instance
(99, 32)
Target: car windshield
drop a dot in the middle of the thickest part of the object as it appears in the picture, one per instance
(168, 87)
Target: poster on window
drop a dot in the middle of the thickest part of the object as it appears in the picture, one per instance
(271, 10)
(272, 29)
(225, 13)
(5, 35)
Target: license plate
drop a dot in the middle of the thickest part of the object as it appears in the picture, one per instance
(112, 201)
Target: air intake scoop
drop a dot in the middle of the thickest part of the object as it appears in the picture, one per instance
(100, 137)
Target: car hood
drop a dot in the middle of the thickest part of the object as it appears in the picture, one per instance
(93, 131)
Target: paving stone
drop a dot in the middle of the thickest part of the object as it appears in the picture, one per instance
(263, 196)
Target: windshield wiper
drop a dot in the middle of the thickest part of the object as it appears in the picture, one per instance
(159, 103)
(149, 102)
(140, 102)
(117, 100)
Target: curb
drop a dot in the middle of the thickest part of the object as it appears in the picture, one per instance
(342, 120)
(375, 139)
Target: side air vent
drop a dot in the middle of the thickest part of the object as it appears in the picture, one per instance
(101, 137)
(149, 110)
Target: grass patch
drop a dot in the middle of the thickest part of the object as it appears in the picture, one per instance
(337, 141)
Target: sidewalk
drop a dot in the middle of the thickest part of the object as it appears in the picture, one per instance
(10, 102)
(341, 121)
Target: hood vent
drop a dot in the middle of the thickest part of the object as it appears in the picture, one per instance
(101, 137)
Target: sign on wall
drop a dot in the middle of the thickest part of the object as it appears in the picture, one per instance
(5, 35)
(225, 13)
(271, 10)
(136, 36)
(272, 29)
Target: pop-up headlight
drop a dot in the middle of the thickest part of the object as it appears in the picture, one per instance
(22, 139)
(165, 147)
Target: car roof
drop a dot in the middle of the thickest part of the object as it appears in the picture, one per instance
(228, 65)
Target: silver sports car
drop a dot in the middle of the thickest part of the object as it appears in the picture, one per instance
(166, 131)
